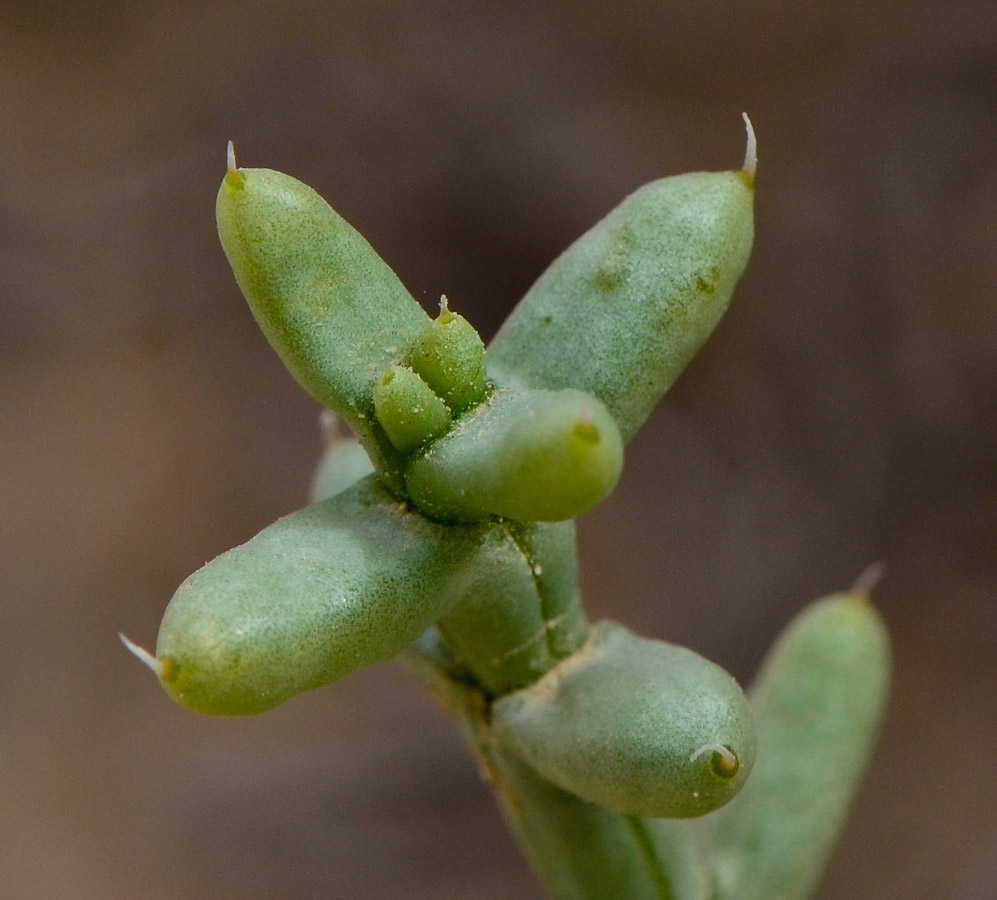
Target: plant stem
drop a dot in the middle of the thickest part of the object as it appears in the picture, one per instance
(581, 851)
(638, 829)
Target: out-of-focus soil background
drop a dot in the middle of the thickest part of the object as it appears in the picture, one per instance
(843, 413)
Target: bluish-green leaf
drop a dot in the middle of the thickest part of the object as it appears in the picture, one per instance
(624, 309)
(318, 594)
(516, 613)
(332, 308)
(529, 455)
(818, 701)
(582, 851)
(639, 726)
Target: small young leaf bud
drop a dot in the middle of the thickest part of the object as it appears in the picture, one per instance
(408, 410)
(450, 357)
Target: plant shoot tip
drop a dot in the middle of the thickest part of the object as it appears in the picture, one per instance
(446, 316)
(230, 157)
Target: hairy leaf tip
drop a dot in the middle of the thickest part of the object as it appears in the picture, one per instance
(868, 579)
(232, 176)
(750, 149)
(724, 761)
(445, 314)
(144, 656)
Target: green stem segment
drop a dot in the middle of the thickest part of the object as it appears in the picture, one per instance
(644, 844)
(580, 850)
(523, 586)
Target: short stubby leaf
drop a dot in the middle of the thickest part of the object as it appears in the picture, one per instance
(530, 455)
(332, 308)
(636, 725)
(408, 410)
(624, 309)
(320, 593)
(450, 357)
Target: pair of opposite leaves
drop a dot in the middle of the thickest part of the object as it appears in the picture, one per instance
(571, 376)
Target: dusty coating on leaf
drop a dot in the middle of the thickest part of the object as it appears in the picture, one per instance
(818, 701)
(623, 310)
(520, 455)
(330, 306)
(619, 724)
(316, 595)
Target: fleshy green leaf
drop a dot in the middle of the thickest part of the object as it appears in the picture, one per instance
(624, 309)
(517, 613)
(530, 455)
(316, 595)
(818, 702)
(639, 726)
(582, 851)
(450, 357)
(332, 308)
(408, 410)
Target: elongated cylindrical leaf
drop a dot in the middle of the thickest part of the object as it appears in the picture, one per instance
(622, 311)
(332, 308)
(321, 592)
(818, 702)
(530, 455)
(639, 726)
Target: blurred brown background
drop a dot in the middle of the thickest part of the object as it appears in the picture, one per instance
(843, 413)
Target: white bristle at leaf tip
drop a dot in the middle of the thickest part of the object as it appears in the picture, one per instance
(751, 149)
(870, 577)
(728, 757)
(143, 656)
(230, 156)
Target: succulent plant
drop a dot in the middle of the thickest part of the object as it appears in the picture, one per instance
(443, 533)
